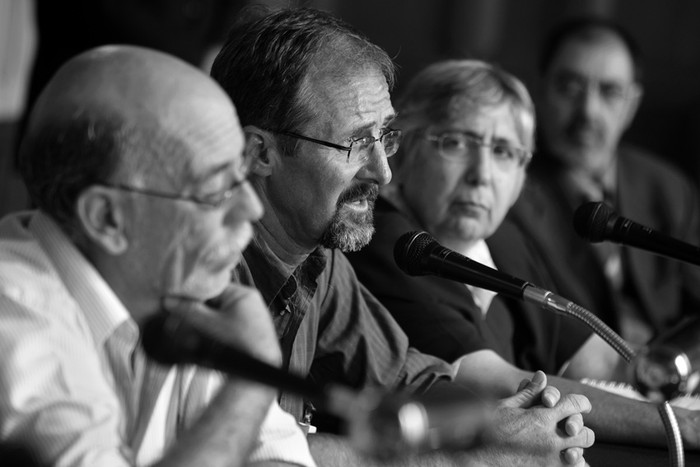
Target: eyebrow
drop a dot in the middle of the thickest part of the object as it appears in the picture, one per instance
(213, 172)
(494, 138)
(370, 125)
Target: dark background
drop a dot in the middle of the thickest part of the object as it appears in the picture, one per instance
(509, 33)
(415, 33)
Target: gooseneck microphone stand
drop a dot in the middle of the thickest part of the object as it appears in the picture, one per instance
(417, 253)
(552, 302)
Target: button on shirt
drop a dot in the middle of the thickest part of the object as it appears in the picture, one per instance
(75, 386)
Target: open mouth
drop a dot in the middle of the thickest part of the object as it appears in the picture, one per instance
(358, 204)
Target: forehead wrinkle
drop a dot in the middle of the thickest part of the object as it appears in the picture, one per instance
(180, 146)
(330, 100)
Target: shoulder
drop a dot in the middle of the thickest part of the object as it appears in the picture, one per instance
(27, 275)
(643, 162)
(648, 180)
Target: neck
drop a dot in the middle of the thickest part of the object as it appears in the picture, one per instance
(139, 304)
(282, 245)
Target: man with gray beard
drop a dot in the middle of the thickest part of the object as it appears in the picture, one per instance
(313, 98)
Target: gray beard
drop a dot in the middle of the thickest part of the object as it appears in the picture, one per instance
(349, 233)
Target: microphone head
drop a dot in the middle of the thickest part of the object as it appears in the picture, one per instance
(169, 339)
(409, 251)
(592, 221)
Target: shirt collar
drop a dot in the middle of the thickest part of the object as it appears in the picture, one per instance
(480, 252)
(103, 310)
(270, 273)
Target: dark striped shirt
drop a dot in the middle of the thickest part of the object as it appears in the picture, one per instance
(332, 329)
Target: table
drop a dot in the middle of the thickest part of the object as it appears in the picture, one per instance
(617, 455)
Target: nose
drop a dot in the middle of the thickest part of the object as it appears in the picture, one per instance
(376, 167)
(479, 170)
(246, 206)
(590, 101)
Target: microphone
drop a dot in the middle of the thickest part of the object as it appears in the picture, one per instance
(669, 366)
(378, 424)
(418, 253)
(597, 222)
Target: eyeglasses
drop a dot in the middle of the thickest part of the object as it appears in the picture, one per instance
(358, 151)
(573, 86)
(458, 146)
(213, 201)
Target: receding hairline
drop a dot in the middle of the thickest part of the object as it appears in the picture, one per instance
(590, 30)
(144, 96)
(122, 80)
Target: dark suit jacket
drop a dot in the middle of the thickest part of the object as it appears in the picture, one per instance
(651, 193)
(440, 317)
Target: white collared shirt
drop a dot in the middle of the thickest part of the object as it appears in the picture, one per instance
(480, 253)
(61, 392)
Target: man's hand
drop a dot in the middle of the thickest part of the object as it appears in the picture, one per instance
(237, 317)
(537, 426)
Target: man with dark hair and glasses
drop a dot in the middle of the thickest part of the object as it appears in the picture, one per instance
(135, 161)
(590, 91)
(468, 135)
(313, 98)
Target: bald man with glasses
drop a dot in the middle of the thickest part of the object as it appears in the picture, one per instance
(135, 161)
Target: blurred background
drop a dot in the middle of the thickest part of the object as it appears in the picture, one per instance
(37, 35)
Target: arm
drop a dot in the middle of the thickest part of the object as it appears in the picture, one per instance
(509, 424)
(75, 420)
(229, 428)
(596, 359)
(334, 451)
(614, 418)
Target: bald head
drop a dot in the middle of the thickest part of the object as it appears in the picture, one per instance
(126, 81)
(115, 111)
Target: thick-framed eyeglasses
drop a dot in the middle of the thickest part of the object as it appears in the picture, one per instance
(461, 147)
(359, 149)
(212, 201)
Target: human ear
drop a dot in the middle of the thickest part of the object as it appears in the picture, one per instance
(101, 217)
(261, 148)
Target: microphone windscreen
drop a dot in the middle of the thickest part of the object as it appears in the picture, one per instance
(409, 250)
(169, 340)
(591, 221)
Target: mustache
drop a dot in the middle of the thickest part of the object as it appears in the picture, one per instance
(582, 122)
(358, 192)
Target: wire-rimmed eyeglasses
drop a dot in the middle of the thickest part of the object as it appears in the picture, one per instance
(213, 200)
(459, 146)
(358, 151)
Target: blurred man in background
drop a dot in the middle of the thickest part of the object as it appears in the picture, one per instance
(591, 89)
